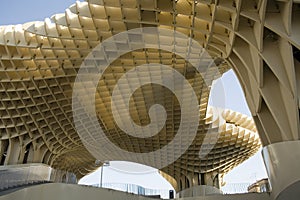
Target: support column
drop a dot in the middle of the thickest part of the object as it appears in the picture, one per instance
(13, 152)
(282, 162)
(209, 185)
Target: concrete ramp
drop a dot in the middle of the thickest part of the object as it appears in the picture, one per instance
(247, 196)
(60, 191)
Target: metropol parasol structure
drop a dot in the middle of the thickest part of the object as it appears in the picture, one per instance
(45, 111)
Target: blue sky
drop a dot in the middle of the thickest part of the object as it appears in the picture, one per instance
(20, 11)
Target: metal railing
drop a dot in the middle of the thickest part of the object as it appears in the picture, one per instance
(135, 189)
(27, 174)
(235, 188)
(17, 175)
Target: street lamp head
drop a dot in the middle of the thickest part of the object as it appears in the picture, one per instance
(106, 163)
(98, 162)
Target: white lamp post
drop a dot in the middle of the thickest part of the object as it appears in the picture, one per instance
(104, 164)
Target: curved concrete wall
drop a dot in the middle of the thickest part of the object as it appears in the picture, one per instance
(60, 191)
(200, 190)
(282, 164)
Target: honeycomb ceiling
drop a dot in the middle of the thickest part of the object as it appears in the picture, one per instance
(40, 60)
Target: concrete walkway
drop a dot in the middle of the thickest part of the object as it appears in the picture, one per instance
(60, 191)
